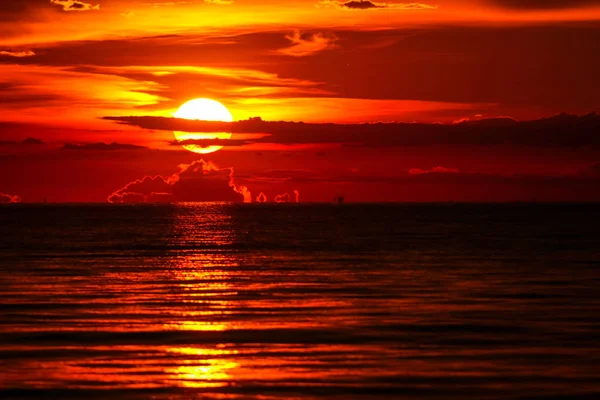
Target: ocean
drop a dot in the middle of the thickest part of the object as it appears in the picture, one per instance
(300, 301)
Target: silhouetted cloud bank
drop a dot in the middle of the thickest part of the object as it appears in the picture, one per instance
(563, 130)
(199, 181)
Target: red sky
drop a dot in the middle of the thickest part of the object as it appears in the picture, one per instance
(66, 64)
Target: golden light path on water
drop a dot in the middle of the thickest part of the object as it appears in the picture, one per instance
(204, 279)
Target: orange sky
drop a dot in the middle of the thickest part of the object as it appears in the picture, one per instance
(66, 64)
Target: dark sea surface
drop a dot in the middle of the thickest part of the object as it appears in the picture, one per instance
(297, 301)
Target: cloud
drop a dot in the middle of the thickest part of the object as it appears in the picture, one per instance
(439, 170)
(28, 141)
(41, 93)
(406, 56)
(370, 5)
(33, 141)
(75, 5)
(261, 198)
(199, 181)
(16, 9)
(308, 44)
(7, 198)
(203, 143)
(17, 54)
(562, 131)
(545, 4)
(282, 198)
(102, 146)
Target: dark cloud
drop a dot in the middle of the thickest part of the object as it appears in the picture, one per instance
(203, 143)
(370, 5)
(545, 4)
(102, 146)
(361, 5)
(28, 141)
(7, 198)
(27, 9)
(199, 181)
(33, 141)
(17, 6)
(155, 50)
(15, 94)
(434, 170)
(481, 67)
(563, 131)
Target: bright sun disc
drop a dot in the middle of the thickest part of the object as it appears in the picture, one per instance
(203, 110)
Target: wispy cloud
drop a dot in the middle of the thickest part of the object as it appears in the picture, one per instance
(47, 92)
(7, 198)
(17, 54)
(308, 44)
(75, 5)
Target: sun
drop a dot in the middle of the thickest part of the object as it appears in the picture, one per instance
(204, 110)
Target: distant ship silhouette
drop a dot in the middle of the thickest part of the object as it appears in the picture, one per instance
(338, 199)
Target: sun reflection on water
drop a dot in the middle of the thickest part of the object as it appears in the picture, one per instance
(208, 369)
(203, 275)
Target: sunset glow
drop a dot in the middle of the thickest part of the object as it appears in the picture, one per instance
(299, 199)
(203, 110)
(329, 98)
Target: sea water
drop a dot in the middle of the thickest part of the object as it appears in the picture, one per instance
(300, 301)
